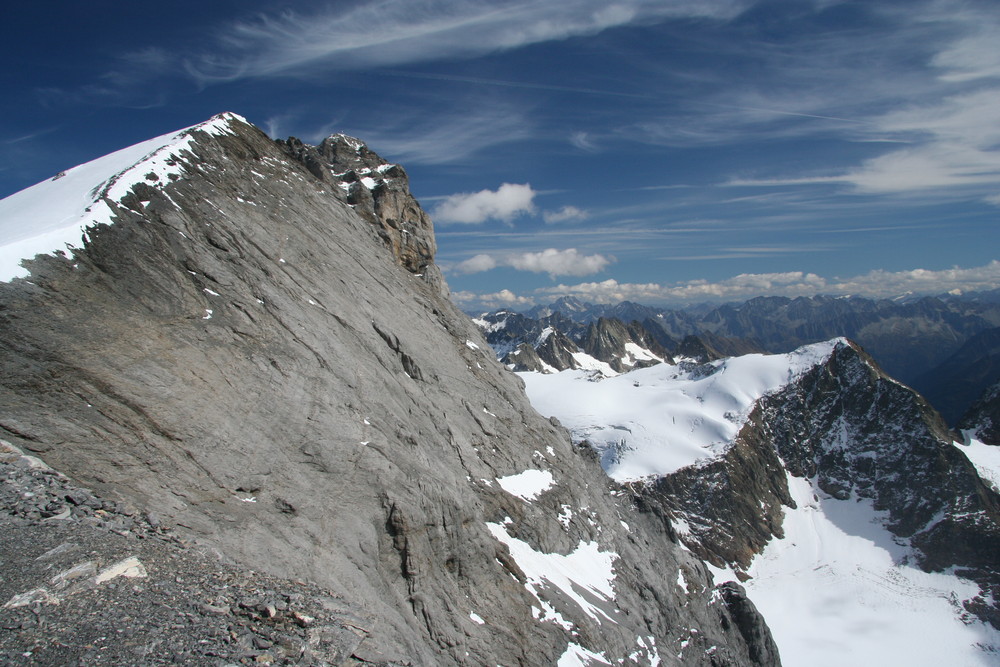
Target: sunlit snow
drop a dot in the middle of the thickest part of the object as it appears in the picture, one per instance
(654, 421)
(527, 485)
(53, 215)
(985, 457)
(835, 592)
(584, 575)
(838, 589)
(577, 656)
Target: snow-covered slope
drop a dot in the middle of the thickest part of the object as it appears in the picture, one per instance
(838, 590)
(838, 581)
(54, 215)
(654, 421)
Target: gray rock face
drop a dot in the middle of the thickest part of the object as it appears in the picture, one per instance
(96, 583)
(247, 355)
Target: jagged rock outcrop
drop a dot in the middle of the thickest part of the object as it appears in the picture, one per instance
(557, 350)
(694, 347)
(379, 192)
(858, 434)
(524, 359)
(506, 330)
(240, 353)
(560, 344)
(552, 351)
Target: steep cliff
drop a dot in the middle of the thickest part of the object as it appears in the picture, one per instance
(258, 347)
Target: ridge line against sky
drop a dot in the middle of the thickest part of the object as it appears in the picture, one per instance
(689, 145)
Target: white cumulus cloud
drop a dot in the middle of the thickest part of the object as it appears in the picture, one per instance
(505, 203)
(476, 264)
(559, 262)
(502, 299)
(877, 284)
(554, 262)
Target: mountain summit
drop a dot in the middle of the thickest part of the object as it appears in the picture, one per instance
(249, 339)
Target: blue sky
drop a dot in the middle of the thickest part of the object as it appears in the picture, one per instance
(662, 152)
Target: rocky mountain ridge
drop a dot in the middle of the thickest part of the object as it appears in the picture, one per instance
(263, 356)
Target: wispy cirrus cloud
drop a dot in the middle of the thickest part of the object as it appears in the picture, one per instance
(927, 96)
(953, 143)
(444, 136)
(396, 32)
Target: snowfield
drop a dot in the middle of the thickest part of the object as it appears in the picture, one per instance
(654, 421)
(53, 216)
(836, 591)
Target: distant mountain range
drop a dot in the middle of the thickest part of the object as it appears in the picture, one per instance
(912, 339)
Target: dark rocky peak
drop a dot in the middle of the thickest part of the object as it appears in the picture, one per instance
(524, 359)
(568, 306)
(557, 350)
(505, 330)
(694, 347)
(983, 418)
(706, 347)
(379, 191)
(551, 352)
(623, 346)
(627, 311)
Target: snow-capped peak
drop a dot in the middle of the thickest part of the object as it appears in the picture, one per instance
(53, 215)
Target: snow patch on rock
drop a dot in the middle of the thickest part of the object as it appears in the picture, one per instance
(527, 485)
(584, 575)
